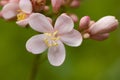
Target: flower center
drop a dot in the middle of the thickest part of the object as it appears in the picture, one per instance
(21, 15)
(51, 39)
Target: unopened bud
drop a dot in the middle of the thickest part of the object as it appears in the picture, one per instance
(75, 3)
(100, 37)
(84, 23)
(46, 8)
(91, 23)
(86, 35)
(56, 4)
(104, 25)
(38, 5)
(74, 17)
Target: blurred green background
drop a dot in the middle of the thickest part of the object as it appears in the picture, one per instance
(93, 60)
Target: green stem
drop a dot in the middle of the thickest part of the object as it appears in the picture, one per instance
(35, 67)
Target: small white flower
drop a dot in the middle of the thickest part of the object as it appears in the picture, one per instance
(53, 38)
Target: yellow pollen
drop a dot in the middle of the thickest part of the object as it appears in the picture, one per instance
(21, 15)
(51, 39)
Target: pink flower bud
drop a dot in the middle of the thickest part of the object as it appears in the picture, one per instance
(74, 17)
(100, 37)
(84, 22)
(91, 23)
(86, 35)
(38, 5)
(56, 4)
(104, 25)
(75, 3)
(46, 8)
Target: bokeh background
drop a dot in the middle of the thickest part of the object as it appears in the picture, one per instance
(93, 60)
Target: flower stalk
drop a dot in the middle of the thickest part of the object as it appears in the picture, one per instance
(35, 67)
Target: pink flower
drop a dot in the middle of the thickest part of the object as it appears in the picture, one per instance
(53, 38)
(56, 4)
(21, 9)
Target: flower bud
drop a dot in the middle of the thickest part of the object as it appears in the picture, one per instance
(86, 35)
(91, 23)
(84, 22)
(74, 17)
(104, 25)
(38, 5)
(56, 4)
(100, 37)
(46, 8)
(75, 3)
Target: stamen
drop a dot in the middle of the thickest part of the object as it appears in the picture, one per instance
(51, 39)
(48, 34)
(55, 33)
(21, 15)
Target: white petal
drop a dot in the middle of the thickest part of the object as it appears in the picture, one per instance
(22, 23)
(36, 44)
(40, 23)
(64, 24)
(73, 38)
(25, 6)
(104, 25)
(56, 54)
(9, 10)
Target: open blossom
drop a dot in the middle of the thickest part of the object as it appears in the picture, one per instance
(22, 10)
(98, 30)
(53, 37)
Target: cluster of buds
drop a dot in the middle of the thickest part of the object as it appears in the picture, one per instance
(37, 15)
(59, 3)
(97, 30)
